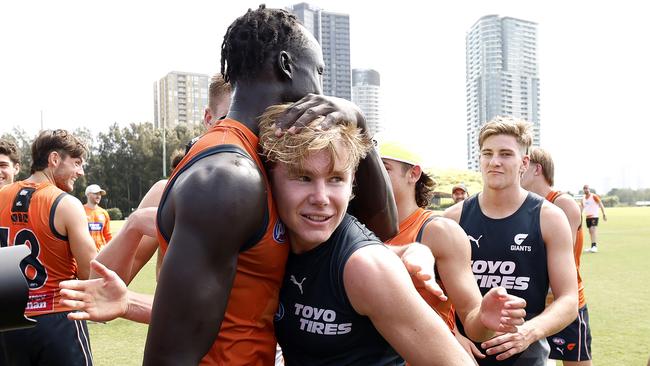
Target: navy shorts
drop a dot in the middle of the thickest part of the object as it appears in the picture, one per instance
(592, 221)
(573, 343)
(54, 341)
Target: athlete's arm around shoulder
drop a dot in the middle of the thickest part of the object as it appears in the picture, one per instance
(556, 233)
(379, 287)
(70, 220)
(572, 212)
(214, 207)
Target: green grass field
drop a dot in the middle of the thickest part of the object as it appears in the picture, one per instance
(616, 281)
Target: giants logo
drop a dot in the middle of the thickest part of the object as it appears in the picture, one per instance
(517, 247)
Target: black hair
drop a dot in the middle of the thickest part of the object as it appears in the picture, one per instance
(252, 37)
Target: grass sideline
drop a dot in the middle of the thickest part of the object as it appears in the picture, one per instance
(615, 280)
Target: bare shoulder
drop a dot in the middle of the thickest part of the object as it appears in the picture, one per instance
(152, 197)
(454, 211)
(368, 259)
(443, 230)
(69, 206)
(225, 192)
(568, 205)
(368, 273)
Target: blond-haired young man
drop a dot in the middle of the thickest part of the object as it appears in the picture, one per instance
(519, 242)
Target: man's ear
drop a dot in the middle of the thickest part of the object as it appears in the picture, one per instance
(415, 173)
(54, 158)
(285, 64)
(525, 163)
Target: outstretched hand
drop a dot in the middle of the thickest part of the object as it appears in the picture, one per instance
(312, 106)
(502, 312)
(419, 263)
(100, 299)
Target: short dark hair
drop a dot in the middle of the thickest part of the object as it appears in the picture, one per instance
(251, 38)
(11, 150)
(177, 156)
(60, 141)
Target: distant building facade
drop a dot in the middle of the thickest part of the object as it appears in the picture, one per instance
(180, 97)
(365, 94)
(332, 31)
(501, 76)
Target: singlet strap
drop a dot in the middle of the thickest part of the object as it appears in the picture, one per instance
(418, 238)
(52, 212)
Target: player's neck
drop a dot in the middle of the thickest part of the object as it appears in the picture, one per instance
(541, 188)
(405, 208)
(501, 203)
(41, 176)
(250, 100)
(91, 205)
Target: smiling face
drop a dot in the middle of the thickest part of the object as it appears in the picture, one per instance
(313, 200)
(458, 195)
(94, 198)
(502, 162)
(66, 170)
(8, 170)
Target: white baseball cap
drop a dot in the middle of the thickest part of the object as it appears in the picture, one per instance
(94, 188)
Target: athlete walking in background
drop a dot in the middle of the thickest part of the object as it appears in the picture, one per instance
(590, 203)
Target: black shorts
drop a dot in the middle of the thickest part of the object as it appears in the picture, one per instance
(573, 343)
(592, 221)
(54, 340)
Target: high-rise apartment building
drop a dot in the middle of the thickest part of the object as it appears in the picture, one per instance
(332, 31)
(501, 76)
(180, 97)
(365, 94)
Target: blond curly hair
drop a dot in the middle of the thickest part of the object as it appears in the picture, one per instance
(293, 149)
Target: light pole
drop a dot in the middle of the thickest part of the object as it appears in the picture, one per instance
(164, 148)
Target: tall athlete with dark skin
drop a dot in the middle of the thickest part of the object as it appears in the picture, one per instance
(212, 209)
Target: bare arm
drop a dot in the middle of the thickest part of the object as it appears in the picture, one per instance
(602, 207)
(200, 264)
(563, 278)
(119, 254)
(453, 213)
(481, 316)
(373, 203)
(376, 284)
(572, 212)
(70, 220)
(136, 243)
